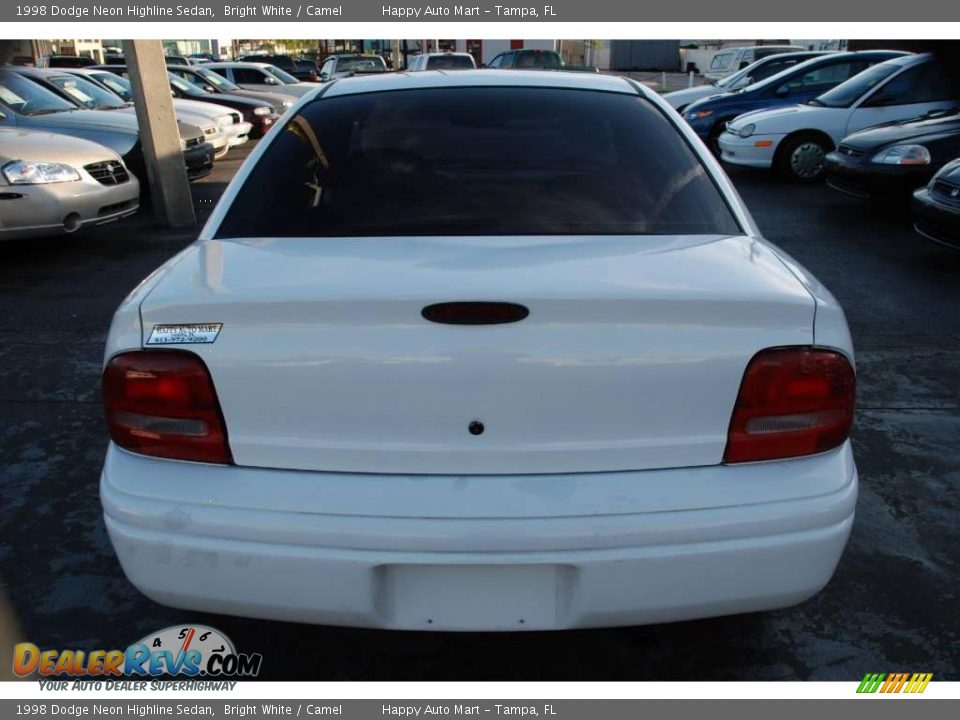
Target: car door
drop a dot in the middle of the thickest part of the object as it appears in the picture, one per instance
(916, 91)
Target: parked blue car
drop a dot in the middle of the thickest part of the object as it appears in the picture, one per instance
(795, 85)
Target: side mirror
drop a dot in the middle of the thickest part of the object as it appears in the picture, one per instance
(271, 81)
(209, 88)
(783, 90)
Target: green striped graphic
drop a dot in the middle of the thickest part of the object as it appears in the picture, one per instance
(871, 682)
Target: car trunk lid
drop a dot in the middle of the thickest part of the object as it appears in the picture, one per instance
(630, 357)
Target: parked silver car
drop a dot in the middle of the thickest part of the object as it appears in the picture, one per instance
(53, 184)
(26, 105)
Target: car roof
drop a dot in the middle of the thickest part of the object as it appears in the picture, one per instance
(40, 72)
(241, 64)
(383, 82)
(443, 54)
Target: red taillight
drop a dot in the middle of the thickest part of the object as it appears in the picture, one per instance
(792, 402)
(163, 403)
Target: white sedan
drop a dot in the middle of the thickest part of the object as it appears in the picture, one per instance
(796, 139)
(499, 353)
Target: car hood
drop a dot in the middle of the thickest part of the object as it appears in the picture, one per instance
(689, 95)
(922, 129)
(276, 99)
(787, 119)
(238, 102)
(950, 172)
(18, 144)
(204, 109)
(93, 119)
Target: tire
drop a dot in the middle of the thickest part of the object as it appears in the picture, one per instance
(802, 158)
(713, 140)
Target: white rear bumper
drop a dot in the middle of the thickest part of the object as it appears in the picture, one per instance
(433, 553)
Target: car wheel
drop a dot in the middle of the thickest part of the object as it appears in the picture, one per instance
(713, 140)
(802, 159)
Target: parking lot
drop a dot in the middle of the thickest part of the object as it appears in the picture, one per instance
(891, 606)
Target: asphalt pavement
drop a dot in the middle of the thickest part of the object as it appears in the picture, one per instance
(892, 605)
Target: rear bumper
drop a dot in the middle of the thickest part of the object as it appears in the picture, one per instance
(566, 551)
(744, 151)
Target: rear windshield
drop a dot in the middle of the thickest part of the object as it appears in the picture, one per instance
(478, 161)
(361, 64)
(450, 62)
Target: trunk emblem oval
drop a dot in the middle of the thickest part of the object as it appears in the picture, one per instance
(474, 313)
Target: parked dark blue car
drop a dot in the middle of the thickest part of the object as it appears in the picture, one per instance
(795, 85)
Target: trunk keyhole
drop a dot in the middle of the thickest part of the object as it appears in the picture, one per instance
(475, 428)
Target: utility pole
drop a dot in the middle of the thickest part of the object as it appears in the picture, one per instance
(396, 54)
(159, 134)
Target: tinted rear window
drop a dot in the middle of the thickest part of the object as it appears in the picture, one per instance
(450, 62)
(478, 161)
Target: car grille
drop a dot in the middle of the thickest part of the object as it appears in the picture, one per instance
(947, 192)
(193, 142)
(850, 151)
(109, 172)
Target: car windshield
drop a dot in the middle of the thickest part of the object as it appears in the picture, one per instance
(450, 62)
(847, 93)
(280, 75)
(87, 94)
(721, 61)
(119, 85)
(25, 97)
(185, 87)
(370, 64)
(478, 161)
(779, 78)
(202, 75)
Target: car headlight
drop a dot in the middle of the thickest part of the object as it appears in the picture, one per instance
(262, 111)
(903, 155)
(223, 120)
(699, 114)
(22, 172)
(747, 130)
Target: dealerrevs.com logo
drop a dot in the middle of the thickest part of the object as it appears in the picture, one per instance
(182, 650)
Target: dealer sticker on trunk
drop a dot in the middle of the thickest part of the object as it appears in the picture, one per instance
(184, 334)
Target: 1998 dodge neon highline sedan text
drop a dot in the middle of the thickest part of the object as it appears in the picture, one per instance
(478, 351)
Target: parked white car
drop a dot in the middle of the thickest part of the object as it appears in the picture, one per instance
(55, 184)
(480, 351)
(441, 61)
(731, 60)
(760, 70)
(223, 127)
(796, 139)
(261, 76)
